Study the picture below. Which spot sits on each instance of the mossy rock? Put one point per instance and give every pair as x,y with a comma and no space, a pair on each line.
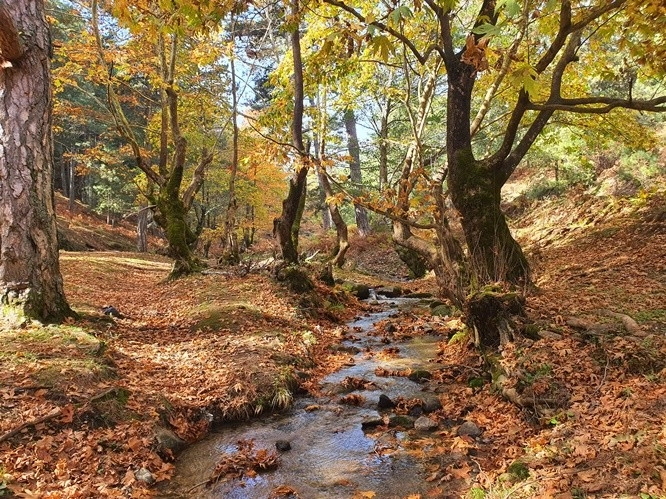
402,421
360,291
295,279
416,263
442,310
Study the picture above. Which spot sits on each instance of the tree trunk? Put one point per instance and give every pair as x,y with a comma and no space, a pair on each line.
286,227
142,230
475,188
340,226
495,256
71,191
326,220
231,254
171,215
362,222
30,281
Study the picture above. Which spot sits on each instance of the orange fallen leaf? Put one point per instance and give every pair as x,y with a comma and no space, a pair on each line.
67,414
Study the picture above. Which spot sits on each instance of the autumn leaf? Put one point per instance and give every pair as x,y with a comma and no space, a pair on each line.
67,414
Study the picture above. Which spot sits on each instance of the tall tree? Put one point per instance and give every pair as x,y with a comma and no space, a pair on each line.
230,238
356,176
30,280
536,46
166,179
286,226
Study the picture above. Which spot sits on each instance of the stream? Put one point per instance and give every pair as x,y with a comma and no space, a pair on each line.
331,455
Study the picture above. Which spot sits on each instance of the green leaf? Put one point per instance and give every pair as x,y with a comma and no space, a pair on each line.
512,7
489,29
383,46
402,12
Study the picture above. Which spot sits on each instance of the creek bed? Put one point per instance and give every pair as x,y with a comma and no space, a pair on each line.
330,456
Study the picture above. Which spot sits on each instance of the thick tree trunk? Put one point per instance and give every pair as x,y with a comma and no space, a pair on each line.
30,281
354,148
171,215
475,191
495,256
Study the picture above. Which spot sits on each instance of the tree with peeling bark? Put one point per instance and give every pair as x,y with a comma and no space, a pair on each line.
508,66
30,281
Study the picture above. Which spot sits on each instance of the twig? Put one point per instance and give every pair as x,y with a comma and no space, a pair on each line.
196,486
55,413
603,378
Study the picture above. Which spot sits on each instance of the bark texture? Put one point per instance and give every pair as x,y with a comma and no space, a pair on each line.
360,213
30,280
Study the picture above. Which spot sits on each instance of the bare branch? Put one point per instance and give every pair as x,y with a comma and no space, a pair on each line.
601,105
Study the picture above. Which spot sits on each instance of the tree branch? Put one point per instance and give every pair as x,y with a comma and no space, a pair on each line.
197,179
114,104
342,5
587,105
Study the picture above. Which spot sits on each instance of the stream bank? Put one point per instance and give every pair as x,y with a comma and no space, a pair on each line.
335,448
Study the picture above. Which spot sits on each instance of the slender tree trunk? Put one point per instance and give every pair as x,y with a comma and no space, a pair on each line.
71,191
30,281
326,220
286,227
361,214
340,225
230,238
142,230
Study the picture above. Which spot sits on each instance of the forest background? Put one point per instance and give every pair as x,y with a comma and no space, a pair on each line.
432,124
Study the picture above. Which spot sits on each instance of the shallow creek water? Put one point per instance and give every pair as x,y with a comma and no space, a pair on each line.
330,456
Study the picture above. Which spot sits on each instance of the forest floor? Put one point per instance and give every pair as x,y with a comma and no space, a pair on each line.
86,407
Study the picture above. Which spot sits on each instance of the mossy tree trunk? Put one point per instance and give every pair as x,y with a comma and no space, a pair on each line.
166,181
494,254
31,284
475,188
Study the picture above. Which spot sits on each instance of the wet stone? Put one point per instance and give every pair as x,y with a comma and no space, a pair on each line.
416,411
470,429
371,424
431,404
424,423
283,445
168,441
419,375
351,349
385,402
